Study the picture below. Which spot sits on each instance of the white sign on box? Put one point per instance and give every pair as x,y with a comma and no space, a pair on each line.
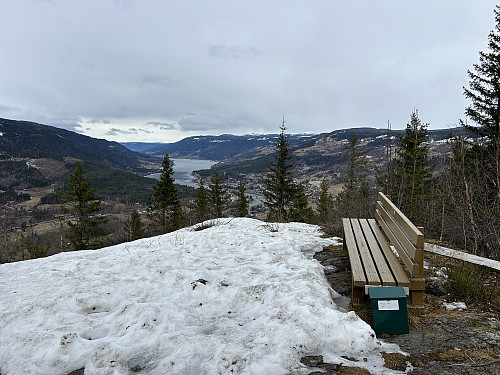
388,305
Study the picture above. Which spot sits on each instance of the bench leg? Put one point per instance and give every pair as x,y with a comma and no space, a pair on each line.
357,295
417,287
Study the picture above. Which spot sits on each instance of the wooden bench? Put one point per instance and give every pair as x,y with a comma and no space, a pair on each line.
373,262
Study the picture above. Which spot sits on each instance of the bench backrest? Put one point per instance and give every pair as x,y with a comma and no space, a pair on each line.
406,238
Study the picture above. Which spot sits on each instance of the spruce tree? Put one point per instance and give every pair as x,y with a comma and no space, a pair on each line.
354,200
484,87
412,171
165,210
241,200
279,186
325,202
217,193
484,110
134,228
201,202
78,200
300,210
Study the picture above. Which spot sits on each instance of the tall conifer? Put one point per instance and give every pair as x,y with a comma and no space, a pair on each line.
279,186
165,210
201,202
412,171
217,193
241,200
86,227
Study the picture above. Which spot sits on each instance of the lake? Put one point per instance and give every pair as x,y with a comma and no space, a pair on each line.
184,168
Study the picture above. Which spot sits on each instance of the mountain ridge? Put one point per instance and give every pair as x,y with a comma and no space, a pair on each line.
32,140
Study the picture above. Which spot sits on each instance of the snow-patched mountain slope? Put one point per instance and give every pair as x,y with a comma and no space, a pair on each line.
239,297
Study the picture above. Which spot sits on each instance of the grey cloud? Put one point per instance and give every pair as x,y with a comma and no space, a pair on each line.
319,66
237,123
116,131
233,52
192,124
160,80
95,121
162,125
8,108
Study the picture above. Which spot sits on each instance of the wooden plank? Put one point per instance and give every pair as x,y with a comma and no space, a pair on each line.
358,276
405,257
366,258
378,256
404,241
392,260
471,258
415,236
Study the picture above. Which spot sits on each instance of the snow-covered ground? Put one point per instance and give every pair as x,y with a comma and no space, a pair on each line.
238,297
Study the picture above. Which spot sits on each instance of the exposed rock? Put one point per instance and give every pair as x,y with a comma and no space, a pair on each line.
437,286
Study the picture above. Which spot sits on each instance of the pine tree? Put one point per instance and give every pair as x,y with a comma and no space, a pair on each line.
86,227
134,228
412,170
279,186
241,200
217,194
165,210
201,202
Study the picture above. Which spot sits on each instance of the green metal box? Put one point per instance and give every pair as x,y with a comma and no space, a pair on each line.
389,310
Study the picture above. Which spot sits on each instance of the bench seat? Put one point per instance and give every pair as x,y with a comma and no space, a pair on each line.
369,244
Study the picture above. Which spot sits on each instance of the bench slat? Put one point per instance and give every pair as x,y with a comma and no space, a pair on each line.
415,236
378,256
358,276
405,242
371,273
392,231
399,273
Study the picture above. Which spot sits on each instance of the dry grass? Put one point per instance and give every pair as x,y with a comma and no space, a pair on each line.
473,355
395,361
345,370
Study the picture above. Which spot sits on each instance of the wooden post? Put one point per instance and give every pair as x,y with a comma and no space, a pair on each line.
357,295
417,284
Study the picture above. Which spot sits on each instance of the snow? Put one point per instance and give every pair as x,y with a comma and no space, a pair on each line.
460,306
237,297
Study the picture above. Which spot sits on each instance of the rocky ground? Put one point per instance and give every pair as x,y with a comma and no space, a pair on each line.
440,342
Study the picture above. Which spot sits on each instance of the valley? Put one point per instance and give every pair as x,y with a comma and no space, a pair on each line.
32,177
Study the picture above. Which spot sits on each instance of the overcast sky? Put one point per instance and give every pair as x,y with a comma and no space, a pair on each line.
161,70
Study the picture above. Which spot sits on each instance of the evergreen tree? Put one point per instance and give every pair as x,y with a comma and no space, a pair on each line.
217,194
279,186
484,87
300,210
484,110
33,246
134,228
412,171
201,202
241,201
354,200
164,207
325,203
86,227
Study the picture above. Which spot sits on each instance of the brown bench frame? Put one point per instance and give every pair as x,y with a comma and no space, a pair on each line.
368,243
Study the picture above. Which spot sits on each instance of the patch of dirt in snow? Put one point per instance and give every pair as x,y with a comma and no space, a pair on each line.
440,342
